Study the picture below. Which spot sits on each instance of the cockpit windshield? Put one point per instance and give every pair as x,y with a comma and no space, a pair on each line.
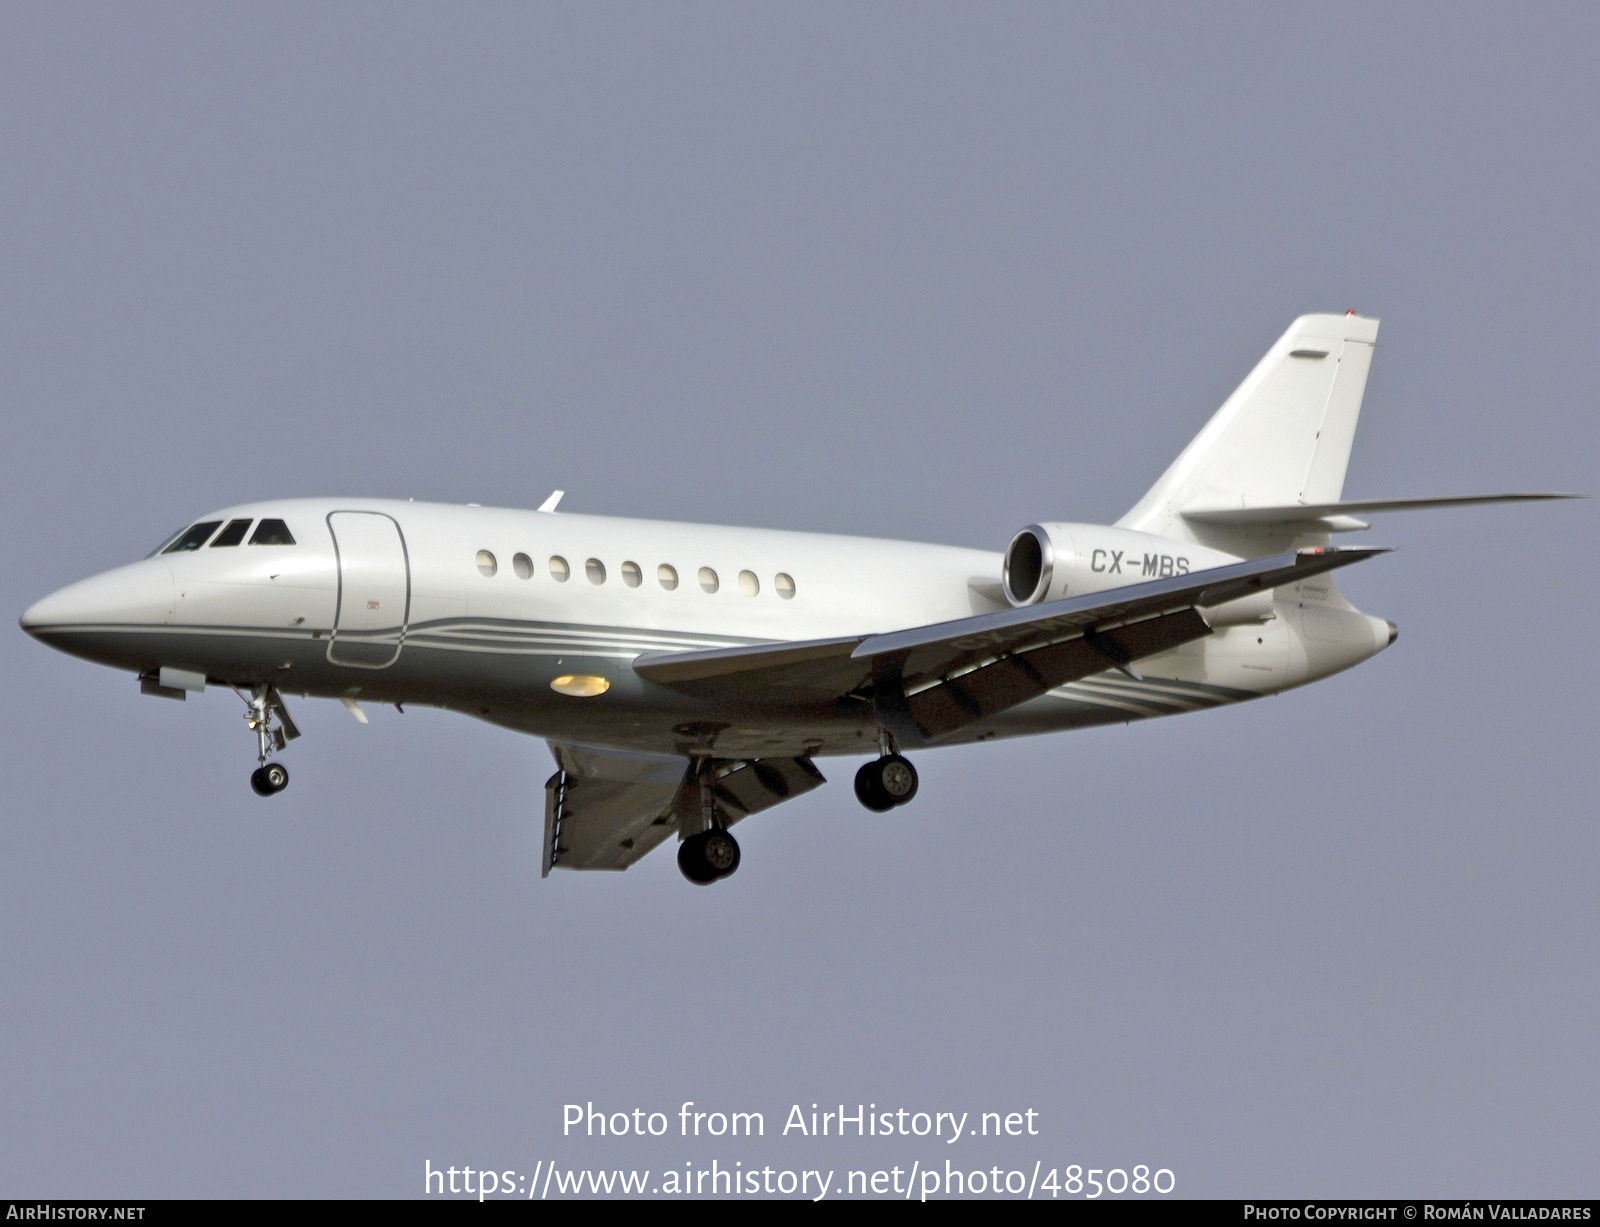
272,532
194,538
233,534
268,532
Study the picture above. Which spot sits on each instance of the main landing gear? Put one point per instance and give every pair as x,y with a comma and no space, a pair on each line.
712,853
889,780
261,707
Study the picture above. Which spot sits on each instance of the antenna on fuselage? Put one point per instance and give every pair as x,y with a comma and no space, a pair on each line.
550,503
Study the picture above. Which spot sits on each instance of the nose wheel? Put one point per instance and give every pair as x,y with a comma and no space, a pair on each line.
274,777
886,782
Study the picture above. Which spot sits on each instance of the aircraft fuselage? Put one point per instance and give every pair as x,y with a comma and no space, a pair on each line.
482,611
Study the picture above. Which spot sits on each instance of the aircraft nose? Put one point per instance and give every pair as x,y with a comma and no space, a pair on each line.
140,594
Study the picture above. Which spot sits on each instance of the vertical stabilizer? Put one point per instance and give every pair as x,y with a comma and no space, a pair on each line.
1282,438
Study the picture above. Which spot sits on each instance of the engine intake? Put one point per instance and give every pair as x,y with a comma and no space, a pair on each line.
1029,565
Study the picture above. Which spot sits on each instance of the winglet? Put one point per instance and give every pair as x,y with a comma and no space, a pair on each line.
550,503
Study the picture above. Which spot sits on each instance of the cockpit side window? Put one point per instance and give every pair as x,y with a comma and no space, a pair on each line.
162,548
272,532
233,534
194,538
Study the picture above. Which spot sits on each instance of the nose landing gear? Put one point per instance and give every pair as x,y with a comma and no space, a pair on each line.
264,704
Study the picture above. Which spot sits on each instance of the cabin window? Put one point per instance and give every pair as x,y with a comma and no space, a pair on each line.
749,584
631,575
194,538
233,534
522,565
595,570
272,532
559,571
668,576
708,579
487,566
783,585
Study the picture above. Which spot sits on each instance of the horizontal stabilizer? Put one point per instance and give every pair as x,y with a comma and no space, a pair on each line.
1314,513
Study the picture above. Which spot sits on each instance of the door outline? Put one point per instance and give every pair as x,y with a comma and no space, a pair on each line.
338,605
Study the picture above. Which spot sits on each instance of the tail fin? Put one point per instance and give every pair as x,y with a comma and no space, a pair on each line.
1282,438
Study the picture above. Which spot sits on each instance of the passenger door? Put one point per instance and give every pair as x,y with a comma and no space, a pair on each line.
374,589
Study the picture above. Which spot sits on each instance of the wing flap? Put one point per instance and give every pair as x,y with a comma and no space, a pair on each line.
952,704
929,683
605,809
757,784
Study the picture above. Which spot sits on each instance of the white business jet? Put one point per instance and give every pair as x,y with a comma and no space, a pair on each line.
687,676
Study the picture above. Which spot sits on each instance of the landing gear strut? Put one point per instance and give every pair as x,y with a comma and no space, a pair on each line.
712,853
889,780
263,704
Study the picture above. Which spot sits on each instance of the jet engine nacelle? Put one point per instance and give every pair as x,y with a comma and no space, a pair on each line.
1046,562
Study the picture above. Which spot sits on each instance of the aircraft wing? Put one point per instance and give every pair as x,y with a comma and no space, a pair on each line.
604,809
928,681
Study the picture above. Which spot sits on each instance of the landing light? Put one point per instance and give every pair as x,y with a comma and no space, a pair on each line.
580,685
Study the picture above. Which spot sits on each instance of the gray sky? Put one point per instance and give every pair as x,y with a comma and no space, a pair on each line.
932,272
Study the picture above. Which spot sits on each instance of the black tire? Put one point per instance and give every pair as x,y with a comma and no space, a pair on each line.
276,776
692,861
869,789
897,777
720,851
258,781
